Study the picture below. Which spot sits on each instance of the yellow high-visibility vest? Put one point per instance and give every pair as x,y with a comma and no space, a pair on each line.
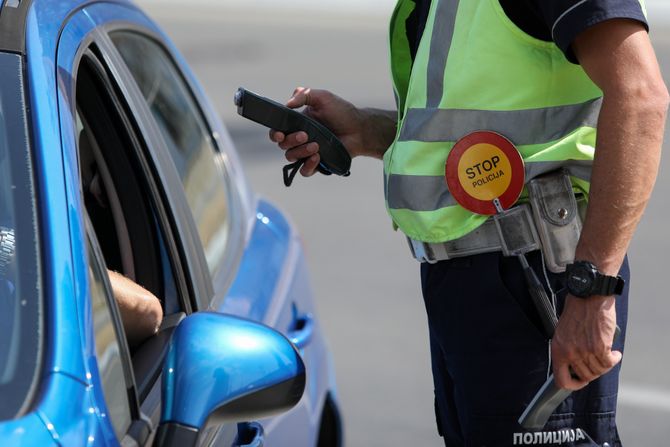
476,70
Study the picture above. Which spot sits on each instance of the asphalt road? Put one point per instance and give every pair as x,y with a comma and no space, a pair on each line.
367,286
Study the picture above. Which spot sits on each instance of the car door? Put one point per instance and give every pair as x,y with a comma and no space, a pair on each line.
254,255
268,283
129,201
183,139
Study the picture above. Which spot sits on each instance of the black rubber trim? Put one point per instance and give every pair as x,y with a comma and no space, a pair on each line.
174,434
330,428
149,356
13,27
140,430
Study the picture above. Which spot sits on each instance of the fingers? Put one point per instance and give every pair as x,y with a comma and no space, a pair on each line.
297,148
302,151
276,136
593,366
565,379
302,96
583,372
309,168
613,358
293,140
579,372
582,342
296,144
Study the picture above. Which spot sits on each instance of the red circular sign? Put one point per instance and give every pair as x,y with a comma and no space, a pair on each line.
484,166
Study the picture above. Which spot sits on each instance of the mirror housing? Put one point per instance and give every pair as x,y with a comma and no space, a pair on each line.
221,368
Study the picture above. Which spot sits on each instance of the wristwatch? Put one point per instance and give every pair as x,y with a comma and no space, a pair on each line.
584,280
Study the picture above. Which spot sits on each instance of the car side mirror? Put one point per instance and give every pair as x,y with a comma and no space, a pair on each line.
221,368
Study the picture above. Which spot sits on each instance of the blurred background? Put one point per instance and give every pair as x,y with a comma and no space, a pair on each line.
366,284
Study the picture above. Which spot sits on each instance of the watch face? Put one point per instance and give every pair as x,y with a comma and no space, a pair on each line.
580,280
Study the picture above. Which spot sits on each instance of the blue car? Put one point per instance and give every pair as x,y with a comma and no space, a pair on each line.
111,159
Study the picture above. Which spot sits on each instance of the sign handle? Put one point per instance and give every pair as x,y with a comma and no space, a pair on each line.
540,298
543,304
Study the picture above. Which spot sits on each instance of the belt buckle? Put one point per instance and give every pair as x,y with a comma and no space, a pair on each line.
422,251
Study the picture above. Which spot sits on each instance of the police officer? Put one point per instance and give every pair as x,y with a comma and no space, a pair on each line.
573,84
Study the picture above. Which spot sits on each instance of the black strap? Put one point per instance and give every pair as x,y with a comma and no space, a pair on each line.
290,171
613,285
620,284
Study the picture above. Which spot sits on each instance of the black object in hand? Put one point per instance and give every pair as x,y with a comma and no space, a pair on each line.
334,156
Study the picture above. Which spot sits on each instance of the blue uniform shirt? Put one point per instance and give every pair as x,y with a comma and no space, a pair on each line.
550,20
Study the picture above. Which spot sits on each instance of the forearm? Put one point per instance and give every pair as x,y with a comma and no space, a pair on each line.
630,133
378,131
617,55
628,148
140,310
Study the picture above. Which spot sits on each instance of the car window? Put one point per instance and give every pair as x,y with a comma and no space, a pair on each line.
21,327
113,185
107,349
187,137
130,219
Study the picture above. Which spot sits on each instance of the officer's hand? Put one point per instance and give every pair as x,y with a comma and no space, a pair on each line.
340,116
583,340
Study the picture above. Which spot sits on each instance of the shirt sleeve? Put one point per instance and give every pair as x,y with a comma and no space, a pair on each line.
568,18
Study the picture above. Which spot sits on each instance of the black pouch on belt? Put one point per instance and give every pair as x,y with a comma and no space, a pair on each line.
557,218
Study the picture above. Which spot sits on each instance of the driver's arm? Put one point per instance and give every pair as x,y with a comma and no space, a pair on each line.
140,310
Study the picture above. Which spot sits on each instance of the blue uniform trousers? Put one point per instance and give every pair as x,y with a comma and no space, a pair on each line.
489,357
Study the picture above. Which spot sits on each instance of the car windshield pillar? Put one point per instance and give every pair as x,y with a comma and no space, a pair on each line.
20,288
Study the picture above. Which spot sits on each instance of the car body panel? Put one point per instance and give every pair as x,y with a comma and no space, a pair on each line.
28,430
42,31
252,293
71,37
284,302
78,422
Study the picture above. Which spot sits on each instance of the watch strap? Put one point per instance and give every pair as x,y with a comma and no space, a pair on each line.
602,285
608,285
613,285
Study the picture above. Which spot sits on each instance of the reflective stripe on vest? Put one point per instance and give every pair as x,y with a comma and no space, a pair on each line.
430,193
439,49
474,70
547,124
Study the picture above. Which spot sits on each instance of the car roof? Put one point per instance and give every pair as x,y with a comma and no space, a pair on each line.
13,15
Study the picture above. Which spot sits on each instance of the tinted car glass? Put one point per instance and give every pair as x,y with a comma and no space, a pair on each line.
107,351
20,288
187,137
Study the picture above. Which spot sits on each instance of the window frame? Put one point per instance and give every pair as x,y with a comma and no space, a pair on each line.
168,204
140,218
167,180
238,234
144,402
95,259
177,212
189,283
207,151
